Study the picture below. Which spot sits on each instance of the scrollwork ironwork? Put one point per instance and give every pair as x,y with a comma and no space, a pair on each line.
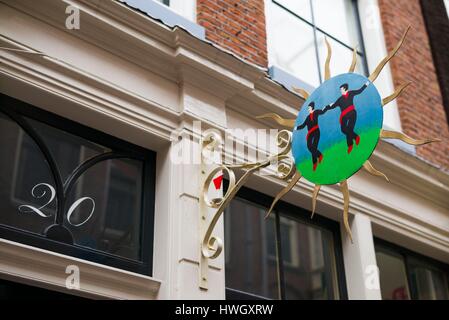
211,245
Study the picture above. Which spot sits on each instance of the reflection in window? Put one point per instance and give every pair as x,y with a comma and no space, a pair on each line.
296,31
22,168
428,282
166,2
292,45
98,203
115,226
250,242
303,268
309,264
407,275
393,277
337,18
69,151
289,239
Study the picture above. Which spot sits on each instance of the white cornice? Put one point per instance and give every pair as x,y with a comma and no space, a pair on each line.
153,46
49,270
412,174
86,89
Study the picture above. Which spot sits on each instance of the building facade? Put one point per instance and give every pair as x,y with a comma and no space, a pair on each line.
104,105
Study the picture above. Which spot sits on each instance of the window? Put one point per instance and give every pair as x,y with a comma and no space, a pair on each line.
406,275
287,256
185,8
393,278
436,14
166,2
70,189
172,13
296,32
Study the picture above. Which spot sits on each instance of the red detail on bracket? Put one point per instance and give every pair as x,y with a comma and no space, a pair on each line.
217,182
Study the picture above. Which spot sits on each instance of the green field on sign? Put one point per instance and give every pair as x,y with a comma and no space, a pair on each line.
337,164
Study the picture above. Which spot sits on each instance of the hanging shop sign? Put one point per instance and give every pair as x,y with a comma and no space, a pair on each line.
334,135
337,129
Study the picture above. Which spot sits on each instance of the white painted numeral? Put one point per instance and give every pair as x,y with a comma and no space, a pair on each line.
75,205
27,208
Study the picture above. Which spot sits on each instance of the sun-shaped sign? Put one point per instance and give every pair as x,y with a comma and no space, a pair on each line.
334,135
338,128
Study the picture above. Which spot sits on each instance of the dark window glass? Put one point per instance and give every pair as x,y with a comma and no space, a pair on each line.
436,14
408,275
308,260
24,177
166,2
393,275
114,226
250,250
429,282
282,257
102,207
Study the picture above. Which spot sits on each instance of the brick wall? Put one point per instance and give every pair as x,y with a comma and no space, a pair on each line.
236,25
421,105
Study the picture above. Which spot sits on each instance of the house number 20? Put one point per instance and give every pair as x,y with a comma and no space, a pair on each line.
38,210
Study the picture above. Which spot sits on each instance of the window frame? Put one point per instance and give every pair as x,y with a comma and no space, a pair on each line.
295,258
165,2
184,8
407,255
303,216
178,14
148,157
360,51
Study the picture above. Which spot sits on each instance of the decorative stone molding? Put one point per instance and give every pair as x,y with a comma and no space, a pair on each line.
49,271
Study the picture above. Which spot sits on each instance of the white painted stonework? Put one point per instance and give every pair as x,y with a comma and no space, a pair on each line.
133,78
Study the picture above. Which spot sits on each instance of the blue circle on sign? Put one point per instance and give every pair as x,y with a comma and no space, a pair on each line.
337,129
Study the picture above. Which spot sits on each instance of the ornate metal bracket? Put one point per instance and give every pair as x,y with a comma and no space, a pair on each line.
211,246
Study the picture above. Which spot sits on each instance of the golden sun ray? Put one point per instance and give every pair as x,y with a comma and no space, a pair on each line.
354,61
386,134
345,191
316,190
289,123
327,68
302,92
393,96
284,191
369,167
384,61
211,246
